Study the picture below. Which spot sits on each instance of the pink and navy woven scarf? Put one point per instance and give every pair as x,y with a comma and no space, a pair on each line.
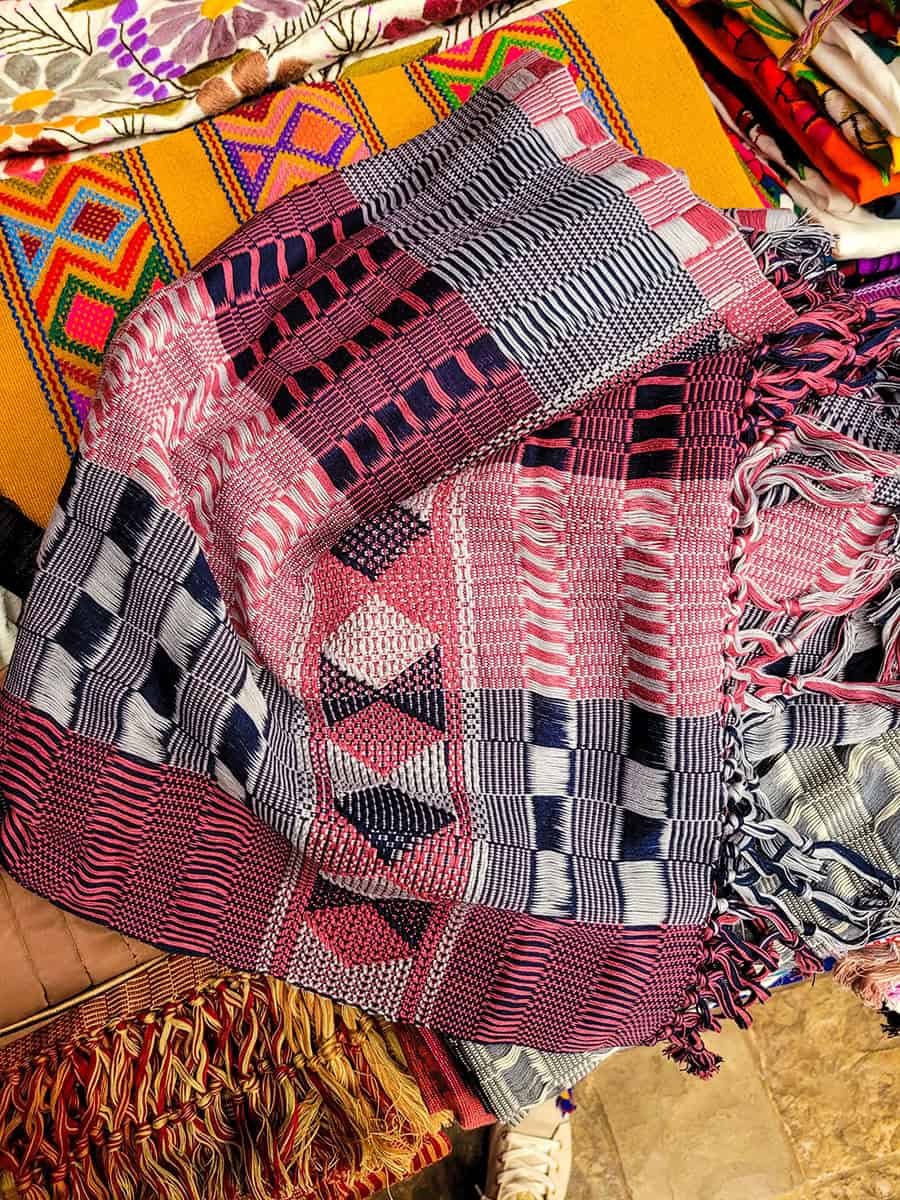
438,562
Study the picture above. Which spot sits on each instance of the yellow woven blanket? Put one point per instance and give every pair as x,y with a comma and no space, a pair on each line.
81,243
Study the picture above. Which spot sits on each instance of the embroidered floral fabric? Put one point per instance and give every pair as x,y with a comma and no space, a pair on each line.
92,73
780,147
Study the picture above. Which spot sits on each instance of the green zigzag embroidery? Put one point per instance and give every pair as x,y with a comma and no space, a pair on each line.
445,79
155,268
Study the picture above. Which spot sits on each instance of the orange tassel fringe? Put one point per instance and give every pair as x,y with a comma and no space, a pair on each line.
243,1087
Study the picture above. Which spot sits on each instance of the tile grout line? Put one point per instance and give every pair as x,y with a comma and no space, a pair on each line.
629,1194
838,1176
757,1052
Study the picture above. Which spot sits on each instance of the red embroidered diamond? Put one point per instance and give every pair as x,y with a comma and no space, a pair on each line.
96,221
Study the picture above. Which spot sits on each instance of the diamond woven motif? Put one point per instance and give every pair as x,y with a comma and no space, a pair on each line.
89,321
383,737
287,138
86,314
381,687
96,221
377,642
390,820
78,238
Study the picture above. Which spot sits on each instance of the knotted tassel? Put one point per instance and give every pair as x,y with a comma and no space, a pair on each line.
835,349
729,980
242,1088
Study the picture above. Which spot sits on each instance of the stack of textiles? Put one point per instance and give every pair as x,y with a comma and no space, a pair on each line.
327,691
449,567
815,118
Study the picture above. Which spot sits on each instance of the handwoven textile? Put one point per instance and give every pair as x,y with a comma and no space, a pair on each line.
242,162
305,620
19,540
48,956
847,795
187,1080
394,812
74,77
262,594
82,243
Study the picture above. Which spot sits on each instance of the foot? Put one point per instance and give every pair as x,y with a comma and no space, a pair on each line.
531,1160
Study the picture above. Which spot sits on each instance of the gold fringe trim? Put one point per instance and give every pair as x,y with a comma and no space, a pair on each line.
244,1087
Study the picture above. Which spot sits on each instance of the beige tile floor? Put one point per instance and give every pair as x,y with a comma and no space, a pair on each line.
806,1107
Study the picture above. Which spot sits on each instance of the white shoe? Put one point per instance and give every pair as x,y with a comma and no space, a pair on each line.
531,1160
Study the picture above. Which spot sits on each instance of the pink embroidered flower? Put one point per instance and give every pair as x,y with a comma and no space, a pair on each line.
433,12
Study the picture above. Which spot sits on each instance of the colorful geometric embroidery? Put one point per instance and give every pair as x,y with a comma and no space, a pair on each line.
285,139
85,256
460,71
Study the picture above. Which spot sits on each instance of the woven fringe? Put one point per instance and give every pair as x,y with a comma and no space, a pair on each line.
836,350
245,1087
794,253
813,33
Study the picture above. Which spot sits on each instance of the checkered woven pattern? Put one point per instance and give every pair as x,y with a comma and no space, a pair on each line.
378,636
848,797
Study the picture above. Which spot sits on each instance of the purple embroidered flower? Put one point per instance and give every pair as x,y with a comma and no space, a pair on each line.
196,32
124,40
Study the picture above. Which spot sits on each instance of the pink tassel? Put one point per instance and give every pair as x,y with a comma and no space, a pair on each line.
813,33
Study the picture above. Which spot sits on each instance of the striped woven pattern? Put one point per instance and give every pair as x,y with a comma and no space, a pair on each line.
381,633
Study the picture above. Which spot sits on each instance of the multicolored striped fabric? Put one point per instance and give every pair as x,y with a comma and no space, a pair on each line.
388,636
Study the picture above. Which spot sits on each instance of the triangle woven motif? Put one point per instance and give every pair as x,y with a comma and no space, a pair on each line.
419,692
360,930
391,821
342,694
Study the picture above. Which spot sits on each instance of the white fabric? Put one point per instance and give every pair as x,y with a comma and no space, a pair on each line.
845,57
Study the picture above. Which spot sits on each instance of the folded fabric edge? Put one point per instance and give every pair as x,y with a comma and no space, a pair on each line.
252,1085
833,350
28,1024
